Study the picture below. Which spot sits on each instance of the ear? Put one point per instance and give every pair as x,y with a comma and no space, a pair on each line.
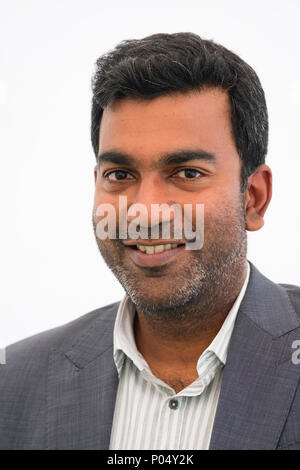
257,197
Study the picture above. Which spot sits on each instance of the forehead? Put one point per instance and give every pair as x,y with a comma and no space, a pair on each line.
145,129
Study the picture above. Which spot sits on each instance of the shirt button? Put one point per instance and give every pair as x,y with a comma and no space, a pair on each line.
173,404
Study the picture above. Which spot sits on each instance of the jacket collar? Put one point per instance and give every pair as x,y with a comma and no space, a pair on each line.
81,387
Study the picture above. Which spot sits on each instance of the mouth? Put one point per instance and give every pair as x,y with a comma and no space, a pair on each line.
153,255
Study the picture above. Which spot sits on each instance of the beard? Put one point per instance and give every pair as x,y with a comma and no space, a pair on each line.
197,284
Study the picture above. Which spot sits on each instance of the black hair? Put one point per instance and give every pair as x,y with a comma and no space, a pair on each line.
162,64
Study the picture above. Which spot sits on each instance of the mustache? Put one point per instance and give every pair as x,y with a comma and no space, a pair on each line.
161,231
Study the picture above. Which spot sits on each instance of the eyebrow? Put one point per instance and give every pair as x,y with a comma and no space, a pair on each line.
181,156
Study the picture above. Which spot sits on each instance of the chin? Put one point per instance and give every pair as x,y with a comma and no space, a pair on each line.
153,304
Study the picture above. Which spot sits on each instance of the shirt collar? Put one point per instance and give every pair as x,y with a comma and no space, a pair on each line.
220,343
124,341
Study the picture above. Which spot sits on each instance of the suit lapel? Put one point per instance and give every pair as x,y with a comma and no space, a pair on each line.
81,388
259,378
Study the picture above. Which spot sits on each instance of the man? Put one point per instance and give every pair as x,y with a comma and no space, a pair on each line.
200,353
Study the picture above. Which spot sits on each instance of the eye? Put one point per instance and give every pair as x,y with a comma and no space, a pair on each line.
117,175
189,173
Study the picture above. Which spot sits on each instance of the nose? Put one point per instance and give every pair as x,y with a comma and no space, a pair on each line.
152,193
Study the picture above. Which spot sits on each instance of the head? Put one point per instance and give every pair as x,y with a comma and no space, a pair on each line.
178,119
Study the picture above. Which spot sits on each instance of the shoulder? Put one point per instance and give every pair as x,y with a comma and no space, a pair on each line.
24,376
293,293
31,353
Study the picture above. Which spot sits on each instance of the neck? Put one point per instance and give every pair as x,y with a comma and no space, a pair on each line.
179,344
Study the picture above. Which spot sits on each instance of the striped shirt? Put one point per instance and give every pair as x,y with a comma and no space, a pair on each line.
149,414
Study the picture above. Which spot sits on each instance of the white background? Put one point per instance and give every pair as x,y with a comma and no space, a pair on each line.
51,270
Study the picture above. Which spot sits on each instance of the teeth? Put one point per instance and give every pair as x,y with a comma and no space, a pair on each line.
141,247
150,250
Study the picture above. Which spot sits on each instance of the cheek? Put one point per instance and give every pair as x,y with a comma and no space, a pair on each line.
223,207
106,209
102,197
222,195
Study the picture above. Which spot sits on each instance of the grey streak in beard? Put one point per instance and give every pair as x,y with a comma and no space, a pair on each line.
212,275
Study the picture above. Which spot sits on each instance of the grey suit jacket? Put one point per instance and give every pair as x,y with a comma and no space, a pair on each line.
58,388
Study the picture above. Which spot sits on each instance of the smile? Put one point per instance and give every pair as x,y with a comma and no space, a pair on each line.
154,255
150,250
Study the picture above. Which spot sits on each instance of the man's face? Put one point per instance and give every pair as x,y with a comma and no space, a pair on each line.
146,131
